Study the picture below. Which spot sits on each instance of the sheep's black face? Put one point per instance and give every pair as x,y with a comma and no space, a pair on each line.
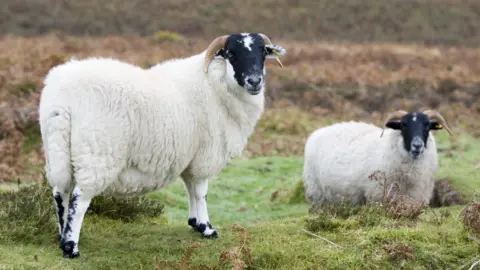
245,55
415,127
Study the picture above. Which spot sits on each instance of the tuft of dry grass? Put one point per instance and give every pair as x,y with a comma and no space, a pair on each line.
471,217
396,204
399,252
444,194
183,264
238,257
404,207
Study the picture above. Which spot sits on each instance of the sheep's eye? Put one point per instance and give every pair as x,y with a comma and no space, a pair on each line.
230,55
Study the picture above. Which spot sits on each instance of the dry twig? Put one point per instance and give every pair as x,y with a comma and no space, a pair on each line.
324,239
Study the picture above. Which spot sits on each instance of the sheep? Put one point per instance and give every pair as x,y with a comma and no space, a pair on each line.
109,127
338,159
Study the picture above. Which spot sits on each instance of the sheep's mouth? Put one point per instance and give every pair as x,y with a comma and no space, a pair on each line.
415,153
254,91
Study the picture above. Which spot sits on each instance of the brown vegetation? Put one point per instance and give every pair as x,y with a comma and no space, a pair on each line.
471,217
319,81
424,21
445,195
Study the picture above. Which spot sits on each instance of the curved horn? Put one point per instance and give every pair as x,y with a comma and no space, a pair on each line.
393,116
216,45
269,42
434,115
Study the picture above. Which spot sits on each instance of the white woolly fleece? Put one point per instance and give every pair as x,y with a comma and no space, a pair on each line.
340,157
135,130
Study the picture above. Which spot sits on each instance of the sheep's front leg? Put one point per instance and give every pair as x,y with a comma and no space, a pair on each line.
203,222
192,215
76,211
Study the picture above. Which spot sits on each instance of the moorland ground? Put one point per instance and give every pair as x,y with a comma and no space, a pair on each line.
403,55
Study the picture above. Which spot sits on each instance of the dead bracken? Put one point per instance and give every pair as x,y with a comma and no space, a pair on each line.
471,217
399,252
445,195
297,101
404,207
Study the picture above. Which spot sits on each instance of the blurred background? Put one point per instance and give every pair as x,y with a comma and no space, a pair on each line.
347,60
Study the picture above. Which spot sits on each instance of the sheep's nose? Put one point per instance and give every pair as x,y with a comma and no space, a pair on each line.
417,145
254,81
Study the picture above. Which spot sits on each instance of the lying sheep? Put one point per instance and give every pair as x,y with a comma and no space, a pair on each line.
339,159
119,129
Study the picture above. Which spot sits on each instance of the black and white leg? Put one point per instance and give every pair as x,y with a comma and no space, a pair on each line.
76,211
61,205
192,207
198,214
203,222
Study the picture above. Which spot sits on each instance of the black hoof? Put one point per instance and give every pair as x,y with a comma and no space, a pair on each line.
213,235
193,223
71,255
67,248
207,228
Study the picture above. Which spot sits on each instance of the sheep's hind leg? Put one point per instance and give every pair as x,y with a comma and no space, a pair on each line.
78,206
61,205
203,222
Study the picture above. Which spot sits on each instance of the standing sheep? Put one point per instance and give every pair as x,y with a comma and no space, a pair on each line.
116,128
338,159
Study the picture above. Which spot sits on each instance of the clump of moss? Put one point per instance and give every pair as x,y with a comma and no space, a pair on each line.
298,193
330,217
27,214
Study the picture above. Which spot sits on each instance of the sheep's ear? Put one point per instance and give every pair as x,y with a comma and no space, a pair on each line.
221,53
435,125
274,51
394,125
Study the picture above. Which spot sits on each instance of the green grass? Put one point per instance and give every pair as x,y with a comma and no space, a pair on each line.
263,195
460,162
242,192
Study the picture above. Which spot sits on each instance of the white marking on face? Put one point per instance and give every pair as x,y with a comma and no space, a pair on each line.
414,117
245,34
247,42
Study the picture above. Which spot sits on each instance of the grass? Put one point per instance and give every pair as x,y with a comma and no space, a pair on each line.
243,192
257,207
459,160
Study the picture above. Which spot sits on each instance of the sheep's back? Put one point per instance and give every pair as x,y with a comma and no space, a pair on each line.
124,114
339,158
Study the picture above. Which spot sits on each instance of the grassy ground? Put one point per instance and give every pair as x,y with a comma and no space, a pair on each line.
346,60
258,199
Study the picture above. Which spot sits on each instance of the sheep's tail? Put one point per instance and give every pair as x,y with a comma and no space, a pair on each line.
55,126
